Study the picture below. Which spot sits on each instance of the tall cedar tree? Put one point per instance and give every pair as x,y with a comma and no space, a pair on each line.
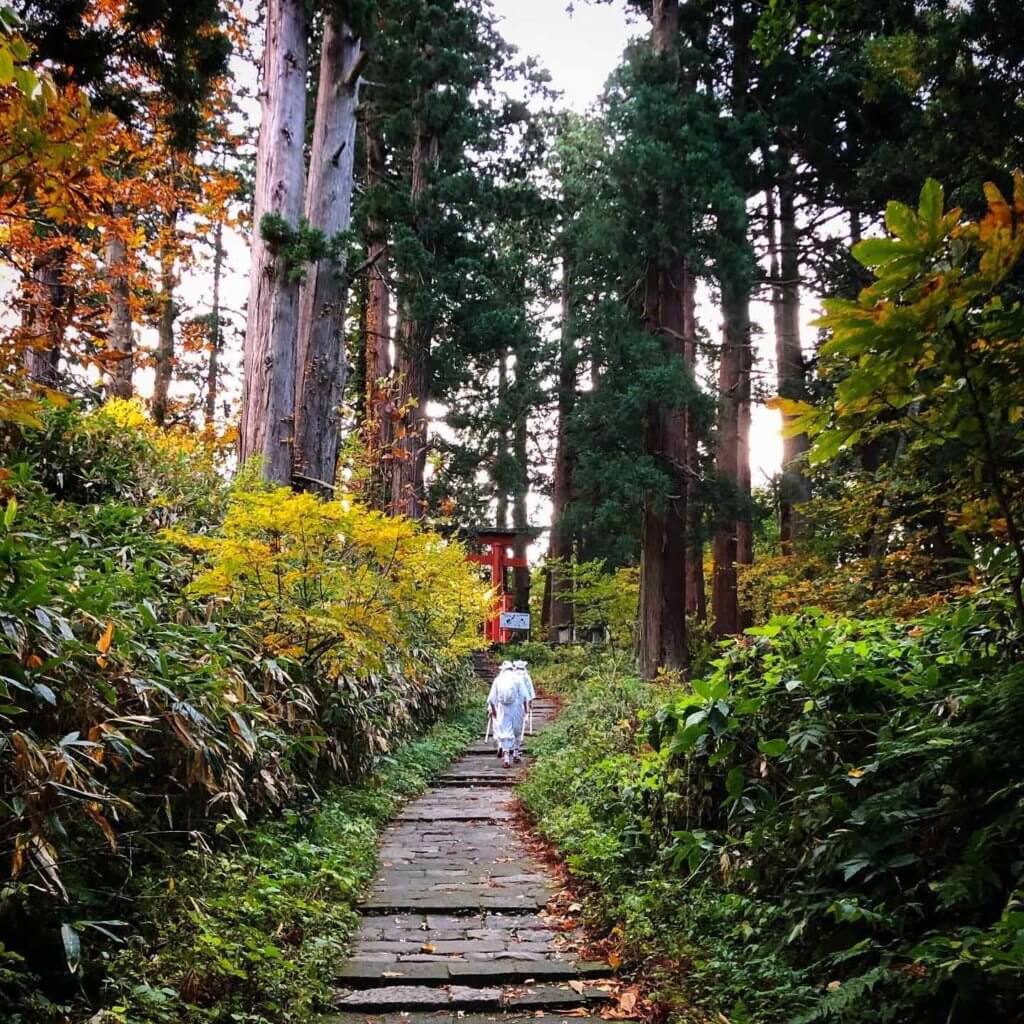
450,147
268,385
321,365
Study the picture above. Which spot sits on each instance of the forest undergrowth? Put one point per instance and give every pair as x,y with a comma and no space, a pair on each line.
825,826
212,696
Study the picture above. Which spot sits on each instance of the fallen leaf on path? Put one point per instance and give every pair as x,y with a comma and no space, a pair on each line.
577,987
614,960
627,1000
427,948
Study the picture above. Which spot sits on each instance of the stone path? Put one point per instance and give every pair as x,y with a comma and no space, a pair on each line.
453,927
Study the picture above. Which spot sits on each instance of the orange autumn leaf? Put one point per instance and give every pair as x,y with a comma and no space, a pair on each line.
104,642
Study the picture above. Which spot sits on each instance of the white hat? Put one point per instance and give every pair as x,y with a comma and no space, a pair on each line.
505,665
519,664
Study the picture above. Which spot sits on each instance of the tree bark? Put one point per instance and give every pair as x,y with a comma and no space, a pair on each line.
696,593
792,373
661,635
520,520
164,356
522,397
120,340
410,446
216,343
501,453
661,638
377,344
665,23
732,539
413,350
46,317
268,383
559,611
321,366
744,523
735,339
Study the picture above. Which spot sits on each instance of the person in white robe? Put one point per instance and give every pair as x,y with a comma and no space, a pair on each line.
528,689
506,704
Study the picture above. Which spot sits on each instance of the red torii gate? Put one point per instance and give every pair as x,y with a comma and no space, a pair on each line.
500,555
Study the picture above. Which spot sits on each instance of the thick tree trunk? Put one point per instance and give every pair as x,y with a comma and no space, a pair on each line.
321,365
268,382
735,338
661,635
744,524
665,22
377,344
559,611
792,373
216,342
661,639
120,341
696,595
498,473
410,447
520,520
164,355
733,540
413,350
46,318
520,456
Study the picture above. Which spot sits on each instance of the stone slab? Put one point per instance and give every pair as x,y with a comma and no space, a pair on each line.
448,1017
365,972
443,904
546,997
510,971
418,997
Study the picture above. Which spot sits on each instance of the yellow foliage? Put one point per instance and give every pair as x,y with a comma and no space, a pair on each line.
342,586
130,414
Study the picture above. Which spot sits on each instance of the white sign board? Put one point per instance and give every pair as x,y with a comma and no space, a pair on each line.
514,620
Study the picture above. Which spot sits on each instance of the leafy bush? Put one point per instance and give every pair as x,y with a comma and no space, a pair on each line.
150,702
827,827
604,600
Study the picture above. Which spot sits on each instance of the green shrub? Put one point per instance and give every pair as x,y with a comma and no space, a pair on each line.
140,717
827,827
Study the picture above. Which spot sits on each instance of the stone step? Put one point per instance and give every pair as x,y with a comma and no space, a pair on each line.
366,973
408,999
467,814
450,1017
456,905
487,748
482,781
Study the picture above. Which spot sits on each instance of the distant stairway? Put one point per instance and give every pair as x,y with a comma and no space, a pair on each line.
484,665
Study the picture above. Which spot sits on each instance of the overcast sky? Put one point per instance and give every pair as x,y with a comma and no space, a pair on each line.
579,49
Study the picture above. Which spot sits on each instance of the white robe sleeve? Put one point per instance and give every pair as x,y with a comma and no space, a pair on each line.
531,693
